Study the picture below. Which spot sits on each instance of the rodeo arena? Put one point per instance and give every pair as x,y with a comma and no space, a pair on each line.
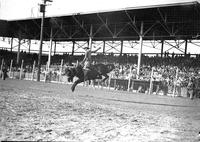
129,94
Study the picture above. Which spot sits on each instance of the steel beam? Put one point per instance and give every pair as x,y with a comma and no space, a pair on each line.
133,25
81,25
105,24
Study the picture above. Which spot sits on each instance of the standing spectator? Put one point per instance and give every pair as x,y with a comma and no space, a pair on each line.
162,86
4,72
190,88
178,86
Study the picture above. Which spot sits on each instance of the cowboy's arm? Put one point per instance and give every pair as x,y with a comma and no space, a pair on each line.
84,58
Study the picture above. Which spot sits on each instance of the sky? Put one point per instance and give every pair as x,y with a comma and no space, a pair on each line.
22,9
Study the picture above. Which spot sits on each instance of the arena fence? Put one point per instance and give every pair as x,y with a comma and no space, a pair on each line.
54,74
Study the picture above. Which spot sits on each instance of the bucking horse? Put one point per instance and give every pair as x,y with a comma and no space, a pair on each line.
96,71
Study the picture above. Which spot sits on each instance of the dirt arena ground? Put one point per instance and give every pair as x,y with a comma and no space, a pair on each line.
37,111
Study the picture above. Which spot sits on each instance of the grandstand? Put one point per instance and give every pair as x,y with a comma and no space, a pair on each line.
160,25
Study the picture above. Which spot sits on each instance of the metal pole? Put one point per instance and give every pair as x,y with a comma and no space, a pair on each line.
61,65
162,46
46,72
151,82
2,67
54,48
186,47
11,62
20,75
104,46
140,51
174,89
90,38
129,79
33,70
41,42
11,44
73,46
50,50
29,46
121,48
18,52
109,80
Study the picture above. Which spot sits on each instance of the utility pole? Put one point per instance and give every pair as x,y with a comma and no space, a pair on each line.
42,10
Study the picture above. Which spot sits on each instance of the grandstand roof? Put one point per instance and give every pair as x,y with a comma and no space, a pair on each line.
165,21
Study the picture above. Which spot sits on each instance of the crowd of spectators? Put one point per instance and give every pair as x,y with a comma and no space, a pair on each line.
175,70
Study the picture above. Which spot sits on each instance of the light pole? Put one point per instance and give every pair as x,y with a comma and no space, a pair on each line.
42,10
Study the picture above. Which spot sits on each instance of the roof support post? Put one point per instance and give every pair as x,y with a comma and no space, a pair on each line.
11,44
162,46
121,48
104,46
140,50
18,52
90,38
73,46
54,47
50,49
29,46
186,44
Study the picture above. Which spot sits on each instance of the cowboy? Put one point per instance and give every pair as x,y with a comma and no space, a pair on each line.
87,59
87,62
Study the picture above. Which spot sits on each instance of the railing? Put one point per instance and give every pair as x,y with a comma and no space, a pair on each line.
141,86
131,85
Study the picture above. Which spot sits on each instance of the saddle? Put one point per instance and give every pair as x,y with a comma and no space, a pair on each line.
92,69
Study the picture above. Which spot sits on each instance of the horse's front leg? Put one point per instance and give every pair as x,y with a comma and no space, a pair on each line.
75,83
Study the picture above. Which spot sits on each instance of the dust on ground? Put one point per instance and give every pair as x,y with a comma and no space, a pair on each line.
35,111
